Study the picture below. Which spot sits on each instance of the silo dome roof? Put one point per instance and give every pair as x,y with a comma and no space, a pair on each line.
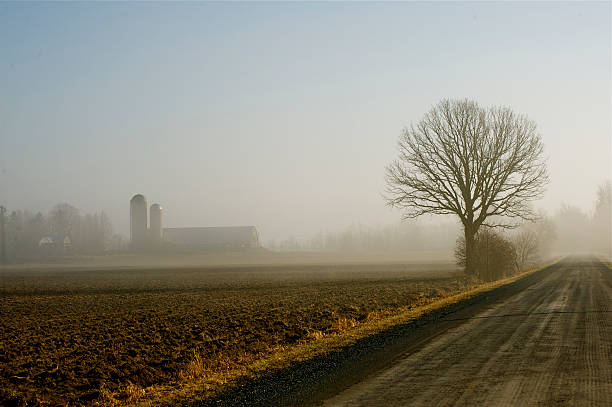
138,197
156,207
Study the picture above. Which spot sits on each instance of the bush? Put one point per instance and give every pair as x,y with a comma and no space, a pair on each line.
494,256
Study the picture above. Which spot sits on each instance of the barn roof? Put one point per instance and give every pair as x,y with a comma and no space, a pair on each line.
221,235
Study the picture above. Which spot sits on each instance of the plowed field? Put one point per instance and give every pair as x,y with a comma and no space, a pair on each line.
73,337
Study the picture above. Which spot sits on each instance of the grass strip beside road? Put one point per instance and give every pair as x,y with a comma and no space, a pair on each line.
201,383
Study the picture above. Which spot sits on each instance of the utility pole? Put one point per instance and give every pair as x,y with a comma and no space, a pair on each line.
2,235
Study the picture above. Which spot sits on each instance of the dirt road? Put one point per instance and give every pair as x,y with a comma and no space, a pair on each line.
547,344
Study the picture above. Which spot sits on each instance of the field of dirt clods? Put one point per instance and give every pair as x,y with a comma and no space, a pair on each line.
76,337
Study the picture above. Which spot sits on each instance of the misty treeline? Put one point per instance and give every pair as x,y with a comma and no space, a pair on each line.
62,231
408,236
580,231
498,252
533,240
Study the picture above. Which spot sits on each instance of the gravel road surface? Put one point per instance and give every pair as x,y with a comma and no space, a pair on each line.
547,344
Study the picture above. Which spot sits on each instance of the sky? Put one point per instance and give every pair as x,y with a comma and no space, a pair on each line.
281,115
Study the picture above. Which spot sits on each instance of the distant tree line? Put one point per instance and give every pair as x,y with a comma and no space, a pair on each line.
497,253
582,231
63,231
408,236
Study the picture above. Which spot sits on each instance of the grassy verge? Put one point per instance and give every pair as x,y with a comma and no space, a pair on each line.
201,380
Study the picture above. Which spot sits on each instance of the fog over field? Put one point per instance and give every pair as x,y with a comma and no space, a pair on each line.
282,116
305,203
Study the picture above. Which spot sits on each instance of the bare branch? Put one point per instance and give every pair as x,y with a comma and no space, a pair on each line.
469,161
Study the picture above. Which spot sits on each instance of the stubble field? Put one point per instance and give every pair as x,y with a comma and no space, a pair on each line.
101,336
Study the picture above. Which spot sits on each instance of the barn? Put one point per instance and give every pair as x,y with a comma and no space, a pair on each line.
213,237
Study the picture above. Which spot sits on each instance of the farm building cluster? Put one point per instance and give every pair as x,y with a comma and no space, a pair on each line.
153,234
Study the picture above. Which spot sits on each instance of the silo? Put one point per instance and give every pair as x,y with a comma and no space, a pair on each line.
156,222
138,221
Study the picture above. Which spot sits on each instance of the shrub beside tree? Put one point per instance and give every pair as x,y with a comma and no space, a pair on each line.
493,255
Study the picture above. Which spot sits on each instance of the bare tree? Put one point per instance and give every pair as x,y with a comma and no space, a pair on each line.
574,229
64,219
533,242
526,249
479,164
603,204
602,219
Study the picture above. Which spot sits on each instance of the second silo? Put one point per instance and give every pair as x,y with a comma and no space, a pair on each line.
138,220
156,222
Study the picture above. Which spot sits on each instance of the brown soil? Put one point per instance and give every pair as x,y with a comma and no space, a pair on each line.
73,337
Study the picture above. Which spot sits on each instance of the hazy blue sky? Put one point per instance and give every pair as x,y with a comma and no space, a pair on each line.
281,116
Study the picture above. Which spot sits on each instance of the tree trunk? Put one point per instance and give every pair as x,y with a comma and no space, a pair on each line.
470,266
